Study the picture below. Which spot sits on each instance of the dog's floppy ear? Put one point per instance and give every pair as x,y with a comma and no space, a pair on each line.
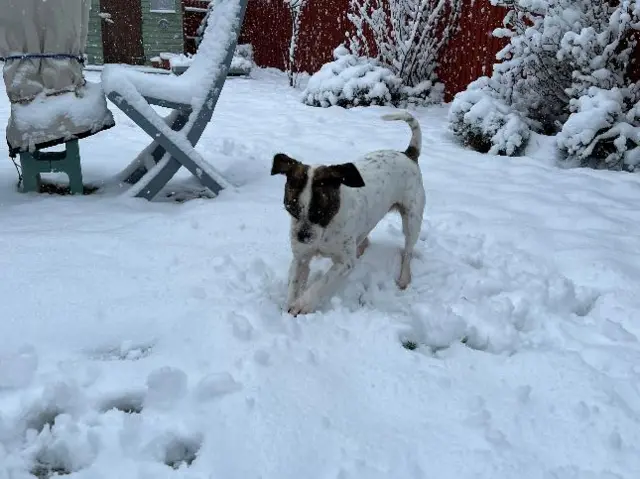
349,175
282,164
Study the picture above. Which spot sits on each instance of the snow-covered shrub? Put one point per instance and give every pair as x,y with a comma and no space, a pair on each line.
352,81
600,52
424,93
242,62
557,51
407,37
534,74
484,122
604,130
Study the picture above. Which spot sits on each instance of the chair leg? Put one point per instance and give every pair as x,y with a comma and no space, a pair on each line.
30,173
160,180
73,169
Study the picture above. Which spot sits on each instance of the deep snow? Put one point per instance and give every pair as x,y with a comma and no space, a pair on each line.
149,334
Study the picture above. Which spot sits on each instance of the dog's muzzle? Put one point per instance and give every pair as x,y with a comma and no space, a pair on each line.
304,234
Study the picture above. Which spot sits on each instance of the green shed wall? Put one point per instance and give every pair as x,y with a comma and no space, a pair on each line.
94,40
155,38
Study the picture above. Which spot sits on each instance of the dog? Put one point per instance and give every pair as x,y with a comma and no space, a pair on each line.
333,209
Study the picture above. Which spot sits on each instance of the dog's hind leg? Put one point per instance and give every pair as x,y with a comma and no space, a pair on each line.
411,224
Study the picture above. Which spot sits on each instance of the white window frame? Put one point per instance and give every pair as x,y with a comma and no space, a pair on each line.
162,10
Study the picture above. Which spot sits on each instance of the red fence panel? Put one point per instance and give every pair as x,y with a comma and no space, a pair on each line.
471,52
267,25
193,12
324,26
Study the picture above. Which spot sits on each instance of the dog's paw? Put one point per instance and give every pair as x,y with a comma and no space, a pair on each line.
403,282
296,310
300,307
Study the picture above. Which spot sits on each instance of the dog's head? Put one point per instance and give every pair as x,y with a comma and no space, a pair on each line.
312,194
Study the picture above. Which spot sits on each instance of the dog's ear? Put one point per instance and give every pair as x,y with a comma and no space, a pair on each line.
283,164
349,175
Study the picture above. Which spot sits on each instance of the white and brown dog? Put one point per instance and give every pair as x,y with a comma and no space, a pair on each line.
334,208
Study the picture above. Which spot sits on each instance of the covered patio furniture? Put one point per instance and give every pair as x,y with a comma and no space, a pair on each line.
42,45
192,96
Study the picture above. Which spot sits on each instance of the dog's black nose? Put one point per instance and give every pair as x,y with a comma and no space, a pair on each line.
304,235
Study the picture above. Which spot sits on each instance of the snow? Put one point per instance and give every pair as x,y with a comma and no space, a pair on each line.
48,118
241,63
148,339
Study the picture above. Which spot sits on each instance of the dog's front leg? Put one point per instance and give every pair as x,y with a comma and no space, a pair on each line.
324,287
298,277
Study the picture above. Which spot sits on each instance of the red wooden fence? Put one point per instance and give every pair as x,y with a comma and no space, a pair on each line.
193,12
469,54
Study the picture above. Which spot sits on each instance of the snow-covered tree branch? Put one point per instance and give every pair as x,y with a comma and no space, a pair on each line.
296,9
406,36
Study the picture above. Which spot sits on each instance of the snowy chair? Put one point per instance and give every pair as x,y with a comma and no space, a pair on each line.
192,96
42,45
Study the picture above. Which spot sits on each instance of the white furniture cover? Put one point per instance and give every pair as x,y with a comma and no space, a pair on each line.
50,100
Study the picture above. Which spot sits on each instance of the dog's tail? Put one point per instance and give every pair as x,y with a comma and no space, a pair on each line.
413,150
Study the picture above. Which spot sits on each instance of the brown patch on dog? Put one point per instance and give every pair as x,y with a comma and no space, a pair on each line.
297,176
325,196
325,190
283,164
413,153
399,208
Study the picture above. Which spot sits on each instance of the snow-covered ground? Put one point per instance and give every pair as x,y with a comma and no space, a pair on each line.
135,335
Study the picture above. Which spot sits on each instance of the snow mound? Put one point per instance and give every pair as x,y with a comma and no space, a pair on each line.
241,64
352,80
17,368
486,123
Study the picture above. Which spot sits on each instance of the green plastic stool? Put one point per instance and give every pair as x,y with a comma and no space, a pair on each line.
67,162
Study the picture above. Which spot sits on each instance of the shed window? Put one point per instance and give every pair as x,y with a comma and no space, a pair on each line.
163,6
